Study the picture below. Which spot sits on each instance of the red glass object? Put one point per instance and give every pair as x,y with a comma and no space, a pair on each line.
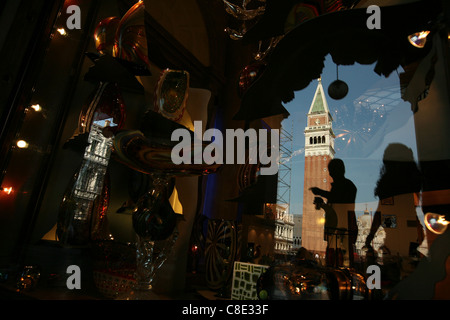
105,34
248,75
82,215
105,104
131,41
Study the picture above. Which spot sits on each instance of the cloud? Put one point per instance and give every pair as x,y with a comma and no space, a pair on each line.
293,154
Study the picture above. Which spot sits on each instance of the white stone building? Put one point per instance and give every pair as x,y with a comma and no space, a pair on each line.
284,227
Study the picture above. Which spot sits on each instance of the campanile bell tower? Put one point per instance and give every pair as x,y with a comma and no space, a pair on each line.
319,150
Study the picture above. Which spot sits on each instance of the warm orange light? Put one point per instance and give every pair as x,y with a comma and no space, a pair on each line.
22,144
418,39
7,190
436,223
36,107
62,31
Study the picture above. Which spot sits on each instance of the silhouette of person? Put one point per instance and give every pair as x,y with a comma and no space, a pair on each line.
340,207
399,179
342,189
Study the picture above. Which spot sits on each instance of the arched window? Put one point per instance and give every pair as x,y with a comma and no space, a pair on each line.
310,140
315,140
319,140
323,139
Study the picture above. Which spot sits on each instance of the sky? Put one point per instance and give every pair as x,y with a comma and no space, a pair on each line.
366,121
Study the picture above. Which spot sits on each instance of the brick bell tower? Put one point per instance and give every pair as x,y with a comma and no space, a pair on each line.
319,150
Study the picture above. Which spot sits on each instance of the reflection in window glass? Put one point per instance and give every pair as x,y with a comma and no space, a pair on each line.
370,118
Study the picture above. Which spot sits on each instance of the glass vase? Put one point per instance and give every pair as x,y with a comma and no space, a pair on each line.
150,257
154,222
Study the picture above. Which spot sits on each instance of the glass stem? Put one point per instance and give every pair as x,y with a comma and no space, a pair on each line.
145,266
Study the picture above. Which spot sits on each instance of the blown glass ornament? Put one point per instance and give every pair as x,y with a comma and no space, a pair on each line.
154,217
130,41
105,34
248,75
172,93
83,208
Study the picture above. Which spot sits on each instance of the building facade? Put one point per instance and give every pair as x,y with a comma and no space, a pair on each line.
284,229
283,226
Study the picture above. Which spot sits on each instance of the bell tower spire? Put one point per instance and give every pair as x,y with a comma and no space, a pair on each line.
319,150
319,136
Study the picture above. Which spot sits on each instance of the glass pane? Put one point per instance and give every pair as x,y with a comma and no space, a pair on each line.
44,112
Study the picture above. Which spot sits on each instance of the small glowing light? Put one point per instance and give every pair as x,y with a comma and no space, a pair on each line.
62,31
22,144
36,107
418,39
7,190
436,223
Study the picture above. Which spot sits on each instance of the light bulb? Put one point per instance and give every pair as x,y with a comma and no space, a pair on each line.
36,107
22,144
62,31
7,190
418,39
436,223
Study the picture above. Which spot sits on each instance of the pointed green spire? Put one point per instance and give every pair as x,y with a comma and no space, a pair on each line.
319,104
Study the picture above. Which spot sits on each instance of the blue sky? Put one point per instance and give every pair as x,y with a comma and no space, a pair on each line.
371,116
